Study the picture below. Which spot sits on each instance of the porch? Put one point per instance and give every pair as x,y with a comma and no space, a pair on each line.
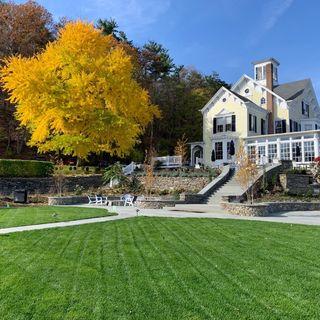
300,147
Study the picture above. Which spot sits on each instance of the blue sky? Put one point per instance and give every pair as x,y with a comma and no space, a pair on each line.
217,35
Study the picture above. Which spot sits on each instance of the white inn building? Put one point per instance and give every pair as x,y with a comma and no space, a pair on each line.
275,121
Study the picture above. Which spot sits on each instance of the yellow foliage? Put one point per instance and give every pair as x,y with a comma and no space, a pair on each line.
247,171
78,95
181,148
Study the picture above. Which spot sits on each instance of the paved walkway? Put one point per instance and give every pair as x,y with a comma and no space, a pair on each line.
293,217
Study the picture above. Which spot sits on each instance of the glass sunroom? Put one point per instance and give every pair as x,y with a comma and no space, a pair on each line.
300,147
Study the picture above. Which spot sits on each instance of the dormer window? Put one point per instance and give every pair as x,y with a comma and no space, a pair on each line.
263,101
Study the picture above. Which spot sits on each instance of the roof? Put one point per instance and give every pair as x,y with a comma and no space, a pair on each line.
291,90
266,60
244,99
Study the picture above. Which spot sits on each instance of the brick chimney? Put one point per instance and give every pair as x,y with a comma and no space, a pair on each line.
269,85
266,73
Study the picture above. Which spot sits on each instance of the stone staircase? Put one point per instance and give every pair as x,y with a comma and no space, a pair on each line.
230,187
212,202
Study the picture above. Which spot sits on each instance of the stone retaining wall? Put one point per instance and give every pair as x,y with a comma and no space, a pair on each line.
296,184
264,209
190,184
47,185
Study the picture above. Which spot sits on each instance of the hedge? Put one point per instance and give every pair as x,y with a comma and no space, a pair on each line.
25,168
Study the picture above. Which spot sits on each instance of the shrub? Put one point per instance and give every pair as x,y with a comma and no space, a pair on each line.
25,168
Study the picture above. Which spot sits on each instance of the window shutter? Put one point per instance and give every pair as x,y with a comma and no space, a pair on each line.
284,126
250,122
214,125
255,124
291,126
302,108
233,123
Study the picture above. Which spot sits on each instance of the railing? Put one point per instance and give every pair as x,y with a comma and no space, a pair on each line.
169,161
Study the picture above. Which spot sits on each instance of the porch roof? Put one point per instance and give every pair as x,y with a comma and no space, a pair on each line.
281,135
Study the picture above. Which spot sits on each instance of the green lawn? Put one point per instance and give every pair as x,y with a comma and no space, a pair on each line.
23,216
153,268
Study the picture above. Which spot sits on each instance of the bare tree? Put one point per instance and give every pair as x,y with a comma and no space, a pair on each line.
247,171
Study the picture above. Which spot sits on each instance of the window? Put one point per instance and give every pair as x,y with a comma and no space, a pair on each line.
285,151
263,101
272,151
296,151
305,108
260,73
263,126
220,124
246,91
308,151
275,73
252,123
280,126
224,100
218,150
252,152
261,152
228,123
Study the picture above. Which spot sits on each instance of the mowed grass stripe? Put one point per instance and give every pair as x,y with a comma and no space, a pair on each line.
171,264
153,268
171,292
213,272
200,277
274,276
22,216
249,277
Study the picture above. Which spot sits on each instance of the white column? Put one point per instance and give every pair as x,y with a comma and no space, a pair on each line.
316,145
257,152
267,150
291,152
278,149
302,150
192,155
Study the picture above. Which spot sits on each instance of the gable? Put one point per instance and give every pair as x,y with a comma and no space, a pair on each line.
223,93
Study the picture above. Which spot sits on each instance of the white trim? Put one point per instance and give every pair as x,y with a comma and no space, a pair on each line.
216,96
258,84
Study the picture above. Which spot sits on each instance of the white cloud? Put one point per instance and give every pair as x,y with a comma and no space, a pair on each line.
130,14
276,10
272,11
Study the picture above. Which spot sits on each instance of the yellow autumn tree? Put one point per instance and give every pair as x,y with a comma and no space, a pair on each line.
79,95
